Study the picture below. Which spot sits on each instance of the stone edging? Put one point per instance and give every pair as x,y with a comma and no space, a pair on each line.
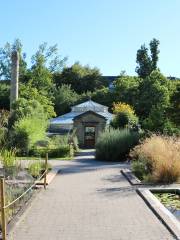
163,214
130,177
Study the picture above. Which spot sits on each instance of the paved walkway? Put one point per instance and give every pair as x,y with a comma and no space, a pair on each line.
89,200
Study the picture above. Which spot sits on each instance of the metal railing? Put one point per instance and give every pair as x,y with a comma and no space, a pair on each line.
4,207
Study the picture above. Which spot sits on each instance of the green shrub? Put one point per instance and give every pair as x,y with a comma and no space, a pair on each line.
124,119
35,169
114,145
56,147
60,152
8,158
139,169
59,140
27,131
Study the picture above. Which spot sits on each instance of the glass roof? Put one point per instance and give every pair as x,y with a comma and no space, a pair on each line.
81,108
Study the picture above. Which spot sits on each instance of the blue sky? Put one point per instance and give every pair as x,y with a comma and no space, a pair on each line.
102,33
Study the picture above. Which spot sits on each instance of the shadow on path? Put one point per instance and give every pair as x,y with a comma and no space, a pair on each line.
85,161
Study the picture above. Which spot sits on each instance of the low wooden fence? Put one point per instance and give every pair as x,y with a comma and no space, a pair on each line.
4,207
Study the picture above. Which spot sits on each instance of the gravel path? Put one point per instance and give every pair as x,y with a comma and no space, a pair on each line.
89,200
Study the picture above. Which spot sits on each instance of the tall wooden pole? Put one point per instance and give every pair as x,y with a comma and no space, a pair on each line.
3,211
46,168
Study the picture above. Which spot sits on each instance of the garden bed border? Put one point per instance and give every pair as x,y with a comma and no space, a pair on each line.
161,212
132,179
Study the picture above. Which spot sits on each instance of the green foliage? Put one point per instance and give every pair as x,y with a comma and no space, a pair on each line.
5,60
154,91
146,63
81,78
60,152
57,147
30,93
65,97
174,109
48,57
35,169
27,131
124,119
4,95
103,96
139,169
8,158
4,115
124,116
26,108
114,145
127,89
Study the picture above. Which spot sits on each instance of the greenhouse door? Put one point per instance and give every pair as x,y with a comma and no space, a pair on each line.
89,136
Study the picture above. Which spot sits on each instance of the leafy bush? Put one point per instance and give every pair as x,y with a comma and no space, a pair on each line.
8,158
124,116
59,140
139,169
61,151
114,145
36,168
161,156
27,131
57,147
124,119
4,115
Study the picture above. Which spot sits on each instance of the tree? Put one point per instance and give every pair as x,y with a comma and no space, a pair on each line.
146,63
45,62
174,109
30,93
4,95
26,108
103,96
48,57
65,97
5,60
153,91
81,78
154,53
126,89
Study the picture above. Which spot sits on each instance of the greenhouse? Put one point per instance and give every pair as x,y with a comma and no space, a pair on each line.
89,119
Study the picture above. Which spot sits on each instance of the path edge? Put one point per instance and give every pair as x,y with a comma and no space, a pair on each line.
161,212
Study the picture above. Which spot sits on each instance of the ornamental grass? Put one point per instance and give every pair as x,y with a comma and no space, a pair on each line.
161,158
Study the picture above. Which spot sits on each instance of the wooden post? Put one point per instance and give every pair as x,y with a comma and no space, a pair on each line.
45,175
3,211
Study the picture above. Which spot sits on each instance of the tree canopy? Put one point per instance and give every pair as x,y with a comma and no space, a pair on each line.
147,63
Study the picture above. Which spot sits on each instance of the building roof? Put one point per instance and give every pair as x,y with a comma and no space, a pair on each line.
77,110
89,106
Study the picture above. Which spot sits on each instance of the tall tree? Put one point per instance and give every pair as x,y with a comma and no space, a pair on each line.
154,53
147,63
45,62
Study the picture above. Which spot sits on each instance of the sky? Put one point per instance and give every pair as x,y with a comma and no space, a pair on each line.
101,33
